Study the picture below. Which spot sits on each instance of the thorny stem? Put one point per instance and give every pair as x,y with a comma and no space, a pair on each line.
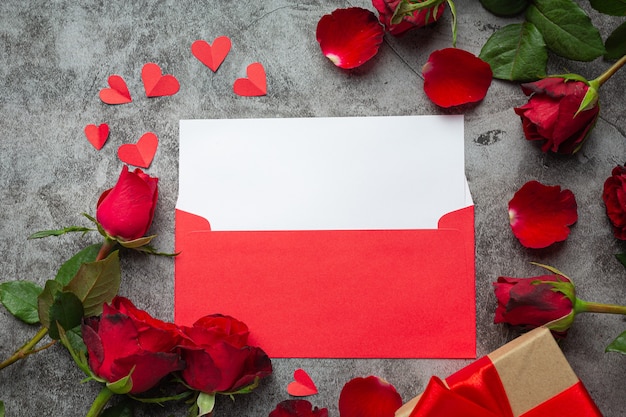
27,349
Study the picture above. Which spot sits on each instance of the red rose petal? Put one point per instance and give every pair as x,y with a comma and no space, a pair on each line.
349,37
540,215
453,77
369,397
298,408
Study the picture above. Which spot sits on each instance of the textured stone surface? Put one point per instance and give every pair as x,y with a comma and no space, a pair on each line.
56,55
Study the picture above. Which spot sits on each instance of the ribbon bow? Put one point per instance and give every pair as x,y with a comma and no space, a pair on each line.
477,391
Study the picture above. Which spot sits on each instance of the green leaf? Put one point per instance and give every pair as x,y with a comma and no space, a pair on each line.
205,402
616,43
505,7
566,29
1,409
618,345
66,311
611,7
59,232
96,283
516,52
46,299
622,258
78,355
20,298
70,268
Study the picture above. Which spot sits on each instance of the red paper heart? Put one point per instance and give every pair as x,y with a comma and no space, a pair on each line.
211,55
97,135
141,153
255,84
117,93
302,385
156,84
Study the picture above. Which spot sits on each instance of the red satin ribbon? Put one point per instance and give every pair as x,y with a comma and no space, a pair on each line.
477,391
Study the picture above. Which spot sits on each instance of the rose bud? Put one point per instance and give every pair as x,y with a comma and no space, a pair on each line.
125,211
614,196
298,408
127,341
537,301
218,358
555,113
415,19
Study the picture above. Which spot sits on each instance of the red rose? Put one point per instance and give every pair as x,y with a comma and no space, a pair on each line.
126,210
298,408
125,339
534,302
550,114
419,18
614,196
218,357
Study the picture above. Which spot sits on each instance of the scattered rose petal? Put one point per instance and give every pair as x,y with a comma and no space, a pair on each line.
349,37
614,197
369,397
540,215
453,77
298,408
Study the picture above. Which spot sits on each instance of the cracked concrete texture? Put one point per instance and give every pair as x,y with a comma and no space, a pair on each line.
57,55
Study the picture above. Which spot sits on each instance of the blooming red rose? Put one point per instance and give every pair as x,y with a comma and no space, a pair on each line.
614,196
218,357
125,339
453,77
540,215
552,114
349,37
419,18
298,408
126,210
368,397
537,301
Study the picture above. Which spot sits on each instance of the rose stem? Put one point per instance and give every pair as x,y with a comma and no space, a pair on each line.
612,70
27,348
100,402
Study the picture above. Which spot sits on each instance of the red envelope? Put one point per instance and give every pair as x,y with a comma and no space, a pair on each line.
328,293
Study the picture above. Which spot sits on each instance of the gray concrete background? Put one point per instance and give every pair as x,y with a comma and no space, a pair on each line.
57,55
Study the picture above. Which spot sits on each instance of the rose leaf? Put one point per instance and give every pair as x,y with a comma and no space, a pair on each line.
20,299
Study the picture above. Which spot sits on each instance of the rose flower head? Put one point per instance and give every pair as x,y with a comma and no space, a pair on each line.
413,20
614,197
533,302
369,397
453,77
218,357
540,215
125,212
298,408
125,341
561,112
349,37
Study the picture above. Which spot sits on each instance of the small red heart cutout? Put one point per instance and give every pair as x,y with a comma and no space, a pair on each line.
156,84
97,135
302,385
117,93
141,153
255,84
211,55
